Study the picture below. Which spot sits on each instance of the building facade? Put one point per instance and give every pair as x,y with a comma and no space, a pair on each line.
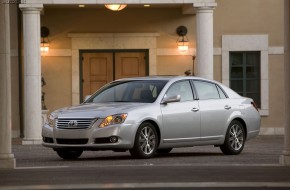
239,43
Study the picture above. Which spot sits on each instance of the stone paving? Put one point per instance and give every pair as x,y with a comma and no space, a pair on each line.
263,150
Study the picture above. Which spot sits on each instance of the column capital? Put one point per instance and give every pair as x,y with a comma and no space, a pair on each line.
205,5
31,7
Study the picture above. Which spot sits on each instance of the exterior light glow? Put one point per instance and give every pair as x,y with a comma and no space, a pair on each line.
44,45
115,7
81,6
44,48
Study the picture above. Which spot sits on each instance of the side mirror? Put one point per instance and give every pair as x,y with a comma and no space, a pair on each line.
171,99
87,97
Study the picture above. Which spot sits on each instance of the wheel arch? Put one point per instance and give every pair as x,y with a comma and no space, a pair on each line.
156,126
243,124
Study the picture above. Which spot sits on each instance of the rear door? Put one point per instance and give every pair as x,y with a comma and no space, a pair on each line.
215,109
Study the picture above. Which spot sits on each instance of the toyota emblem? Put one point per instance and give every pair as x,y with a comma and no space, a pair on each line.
72,123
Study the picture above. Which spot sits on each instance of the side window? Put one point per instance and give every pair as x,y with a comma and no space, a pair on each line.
181,88
206,90
222,94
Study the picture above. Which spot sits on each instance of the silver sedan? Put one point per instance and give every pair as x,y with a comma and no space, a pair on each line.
153,115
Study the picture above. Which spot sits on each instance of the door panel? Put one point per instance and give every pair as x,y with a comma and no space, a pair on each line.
214,118
181,124
130,64
97,71
181,120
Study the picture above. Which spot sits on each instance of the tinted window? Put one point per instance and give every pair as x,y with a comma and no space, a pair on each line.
206,90
129,91
222,94
181,88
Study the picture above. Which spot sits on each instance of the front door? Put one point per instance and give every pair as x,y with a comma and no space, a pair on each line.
101,68
181,120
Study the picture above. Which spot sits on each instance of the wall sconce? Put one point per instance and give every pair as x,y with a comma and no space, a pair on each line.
44,44
182,41
115,7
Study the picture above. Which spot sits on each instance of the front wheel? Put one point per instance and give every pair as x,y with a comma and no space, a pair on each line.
234,140
146,141
69,154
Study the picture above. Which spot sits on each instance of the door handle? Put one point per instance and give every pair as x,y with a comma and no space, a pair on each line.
194,109
227,107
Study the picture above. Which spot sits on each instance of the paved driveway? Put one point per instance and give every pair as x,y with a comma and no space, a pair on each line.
185,168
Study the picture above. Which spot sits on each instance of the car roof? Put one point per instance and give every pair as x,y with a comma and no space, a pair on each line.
165,77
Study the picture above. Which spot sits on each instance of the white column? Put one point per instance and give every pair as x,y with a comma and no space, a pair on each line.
6,157
32,73
204,39
285,157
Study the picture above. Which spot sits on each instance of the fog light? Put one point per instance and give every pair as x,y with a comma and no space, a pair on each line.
113,139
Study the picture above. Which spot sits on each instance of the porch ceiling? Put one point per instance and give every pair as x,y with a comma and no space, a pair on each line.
161,2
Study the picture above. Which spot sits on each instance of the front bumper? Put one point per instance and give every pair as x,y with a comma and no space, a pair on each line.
93,138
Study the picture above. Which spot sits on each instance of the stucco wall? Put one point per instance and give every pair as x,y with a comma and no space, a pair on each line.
249,17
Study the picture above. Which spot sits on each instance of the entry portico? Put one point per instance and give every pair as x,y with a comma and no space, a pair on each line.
32,63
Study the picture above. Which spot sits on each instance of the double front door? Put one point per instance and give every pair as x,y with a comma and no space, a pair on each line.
101,68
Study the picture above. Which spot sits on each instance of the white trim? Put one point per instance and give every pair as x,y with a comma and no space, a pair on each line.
111,35
272,50
174,51
272,131
58,53
248,43
276,50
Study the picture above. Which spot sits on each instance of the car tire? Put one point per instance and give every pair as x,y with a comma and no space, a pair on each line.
69,154
164,150
146,142
234,140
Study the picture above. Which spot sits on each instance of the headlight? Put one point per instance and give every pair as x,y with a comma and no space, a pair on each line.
51,119
113,120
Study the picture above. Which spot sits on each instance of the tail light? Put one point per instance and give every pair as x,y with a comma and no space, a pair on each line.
255,105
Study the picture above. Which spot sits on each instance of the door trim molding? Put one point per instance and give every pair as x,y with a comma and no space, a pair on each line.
113,51
109,41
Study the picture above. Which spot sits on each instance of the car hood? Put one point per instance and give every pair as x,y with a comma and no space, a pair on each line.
100,110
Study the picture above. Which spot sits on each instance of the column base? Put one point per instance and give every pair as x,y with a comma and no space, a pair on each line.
285,158
7,161
31,141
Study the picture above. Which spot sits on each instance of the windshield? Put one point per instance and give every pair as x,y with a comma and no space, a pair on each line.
145,91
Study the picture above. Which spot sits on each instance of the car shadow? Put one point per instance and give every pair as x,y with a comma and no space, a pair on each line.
157,156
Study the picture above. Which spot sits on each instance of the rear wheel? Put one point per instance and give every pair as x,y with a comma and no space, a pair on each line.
146,141
234,140
69,154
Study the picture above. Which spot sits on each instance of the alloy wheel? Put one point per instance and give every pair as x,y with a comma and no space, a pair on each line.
147,140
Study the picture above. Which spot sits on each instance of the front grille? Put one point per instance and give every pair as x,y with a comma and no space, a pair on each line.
74,123
72,141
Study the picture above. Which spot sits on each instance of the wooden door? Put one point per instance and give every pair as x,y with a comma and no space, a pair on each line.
97,71
130,64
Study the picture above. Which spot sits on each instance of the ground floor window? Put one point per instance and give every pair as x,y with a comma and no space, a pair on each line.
245,72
